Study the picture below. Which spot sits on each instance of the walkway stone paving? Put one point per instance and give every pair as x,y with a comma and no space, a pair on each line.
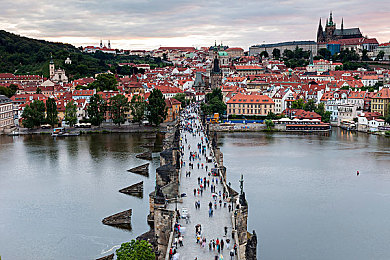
212,227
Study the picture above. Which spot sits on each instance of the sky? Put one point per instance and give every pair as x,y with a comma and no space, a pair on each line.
146,24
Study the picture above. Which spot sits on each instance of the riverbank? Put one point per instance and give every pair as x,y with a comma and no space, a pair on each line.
104,129
233,128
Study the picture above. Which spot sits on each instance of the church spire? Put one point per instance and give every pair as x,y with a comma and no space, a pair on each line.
331,19
320,32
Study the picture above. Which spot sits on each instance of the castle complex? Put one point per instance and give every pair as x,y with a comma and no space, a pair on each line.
331,33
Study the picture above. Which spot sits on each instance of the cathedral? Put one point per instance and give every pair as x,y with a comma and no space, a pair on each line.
332,34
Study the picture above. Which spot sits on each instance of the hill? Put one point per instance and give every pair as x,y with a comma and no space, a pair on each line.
22,55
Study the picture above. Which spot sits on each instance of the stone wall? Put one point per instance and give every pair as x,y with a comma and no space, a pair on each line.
163,221
167,187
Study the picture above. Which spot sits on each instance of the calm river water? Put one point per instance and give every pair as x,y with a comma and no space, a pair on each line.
305,200
55,193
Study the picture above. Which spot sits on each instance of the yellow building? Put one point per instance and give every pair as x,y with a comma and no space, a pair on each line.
250,105
173,109
380,102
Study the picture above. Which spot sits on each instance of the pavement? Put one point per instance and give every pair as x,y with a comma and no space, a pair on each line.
212,227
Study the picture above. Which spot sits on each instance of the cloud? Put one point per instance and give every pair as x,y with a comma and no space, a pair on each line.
148,24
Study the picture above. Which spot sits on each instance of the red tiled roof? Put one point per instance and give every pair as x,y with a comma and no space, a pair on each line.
250,99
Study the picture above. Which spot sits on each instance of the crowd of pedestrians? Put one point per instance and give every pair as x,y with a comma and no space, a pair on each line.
207,187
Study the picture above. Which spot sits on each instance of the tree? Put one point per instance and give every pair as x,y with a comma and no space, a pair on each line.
365,56
104,82
264,54
269,124
34,114
10,91
156,107
119,105
181,97
137,107
214,103
276,53
380,55
310,105
135,250
298,104
216,93
71,113
325,53
387,119
38,90
51,112
289,54
96,109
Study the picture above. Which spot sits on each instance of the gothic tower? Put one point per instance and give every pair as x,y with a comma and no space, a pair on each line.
109,44
330,28
216,73
51,67
101,44
320,33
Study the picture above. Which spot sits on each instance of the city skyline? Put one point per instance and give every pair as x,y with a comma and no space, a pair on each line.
150,24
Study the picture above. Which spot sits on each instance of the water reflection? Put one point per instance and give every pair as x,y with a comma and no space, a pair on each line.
304,195
55,192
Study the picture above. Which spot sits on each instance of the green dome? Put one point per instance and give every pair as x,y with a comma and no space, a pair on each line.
222,53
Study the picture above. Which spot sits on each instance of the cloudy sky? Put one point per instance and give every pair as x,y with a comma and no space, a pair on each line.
146,24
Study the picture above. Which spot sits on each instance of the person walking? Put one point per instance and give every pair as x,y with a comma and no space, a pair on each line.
222,243
181,241
232,254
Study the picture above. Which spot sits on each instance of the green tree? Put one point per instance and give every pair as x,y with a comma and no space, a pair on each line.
310,105
264,54
365,56
320,109
214,103
273,116
119,105
135,250
38,90
156,107
298,104
71,113
269,124
276,53
9,92
181,97
137,107
96,109
325,53
51,112
289,54
380,55
34,114
104,82
216,93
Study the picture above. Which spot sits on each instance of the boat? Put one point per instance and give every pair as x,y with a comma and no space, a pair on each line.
57,131
13,133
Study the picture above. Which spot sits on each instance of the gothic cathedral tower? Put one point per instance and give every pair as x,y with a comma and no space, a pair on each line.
320,33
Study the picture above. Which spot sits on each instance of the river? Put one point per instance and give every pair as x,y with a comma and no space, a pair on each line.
305,198
54,194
